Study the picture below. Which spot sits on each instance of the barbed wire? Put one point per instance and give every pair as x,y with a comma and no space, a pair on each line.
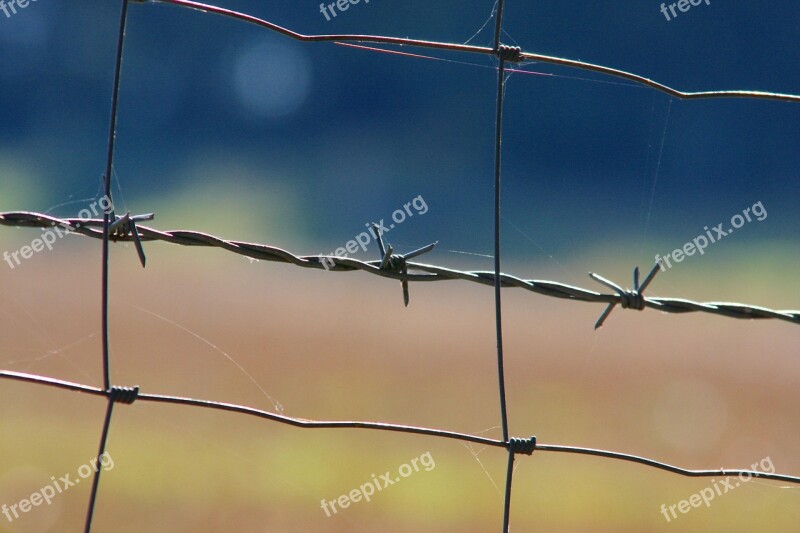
395,266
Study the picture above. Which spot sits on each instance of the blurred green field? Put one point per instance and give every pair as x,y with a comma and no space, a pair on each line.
694,391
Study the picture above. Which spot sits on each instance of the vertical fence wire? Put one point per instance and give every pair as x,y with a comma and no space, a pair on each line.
107,214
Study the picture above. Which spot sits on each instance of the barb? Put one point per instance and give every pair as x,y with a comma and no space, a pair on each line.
126,225
396,262
93,228
524,446
524,56
628,299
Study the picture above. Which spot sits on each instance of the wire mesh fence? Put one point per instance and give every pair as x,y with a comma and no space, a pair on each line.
400,267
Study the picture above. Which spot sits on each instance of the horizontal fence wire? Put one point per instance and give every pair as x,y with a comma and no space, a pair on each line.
127,228
426,272
129,395
519,55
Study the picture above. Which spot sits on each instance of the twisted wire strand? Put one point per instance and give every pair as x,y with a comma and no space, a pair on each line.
526,446
93,228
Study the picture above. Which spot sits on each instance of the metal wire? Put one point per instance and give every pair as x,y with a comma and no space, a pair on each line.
112,136
379,426
498,156
426,272
127,228
527,56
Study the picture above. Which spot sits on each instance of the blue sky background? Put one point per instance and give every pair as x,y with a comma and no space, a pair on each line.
228,128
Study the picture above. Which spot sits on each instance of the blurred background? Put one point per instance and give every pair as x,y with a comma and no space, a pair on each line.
229,129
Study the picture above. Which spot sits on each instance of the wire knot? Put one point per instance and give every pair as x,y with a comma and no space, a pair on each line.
525,446
396,262
512,54
632,300
126,395
627,299
124,226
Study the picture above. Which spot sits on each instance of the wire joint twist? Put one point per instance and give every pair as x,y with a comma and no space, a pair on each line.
126,395
627,299
393,262
512,54
526,446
